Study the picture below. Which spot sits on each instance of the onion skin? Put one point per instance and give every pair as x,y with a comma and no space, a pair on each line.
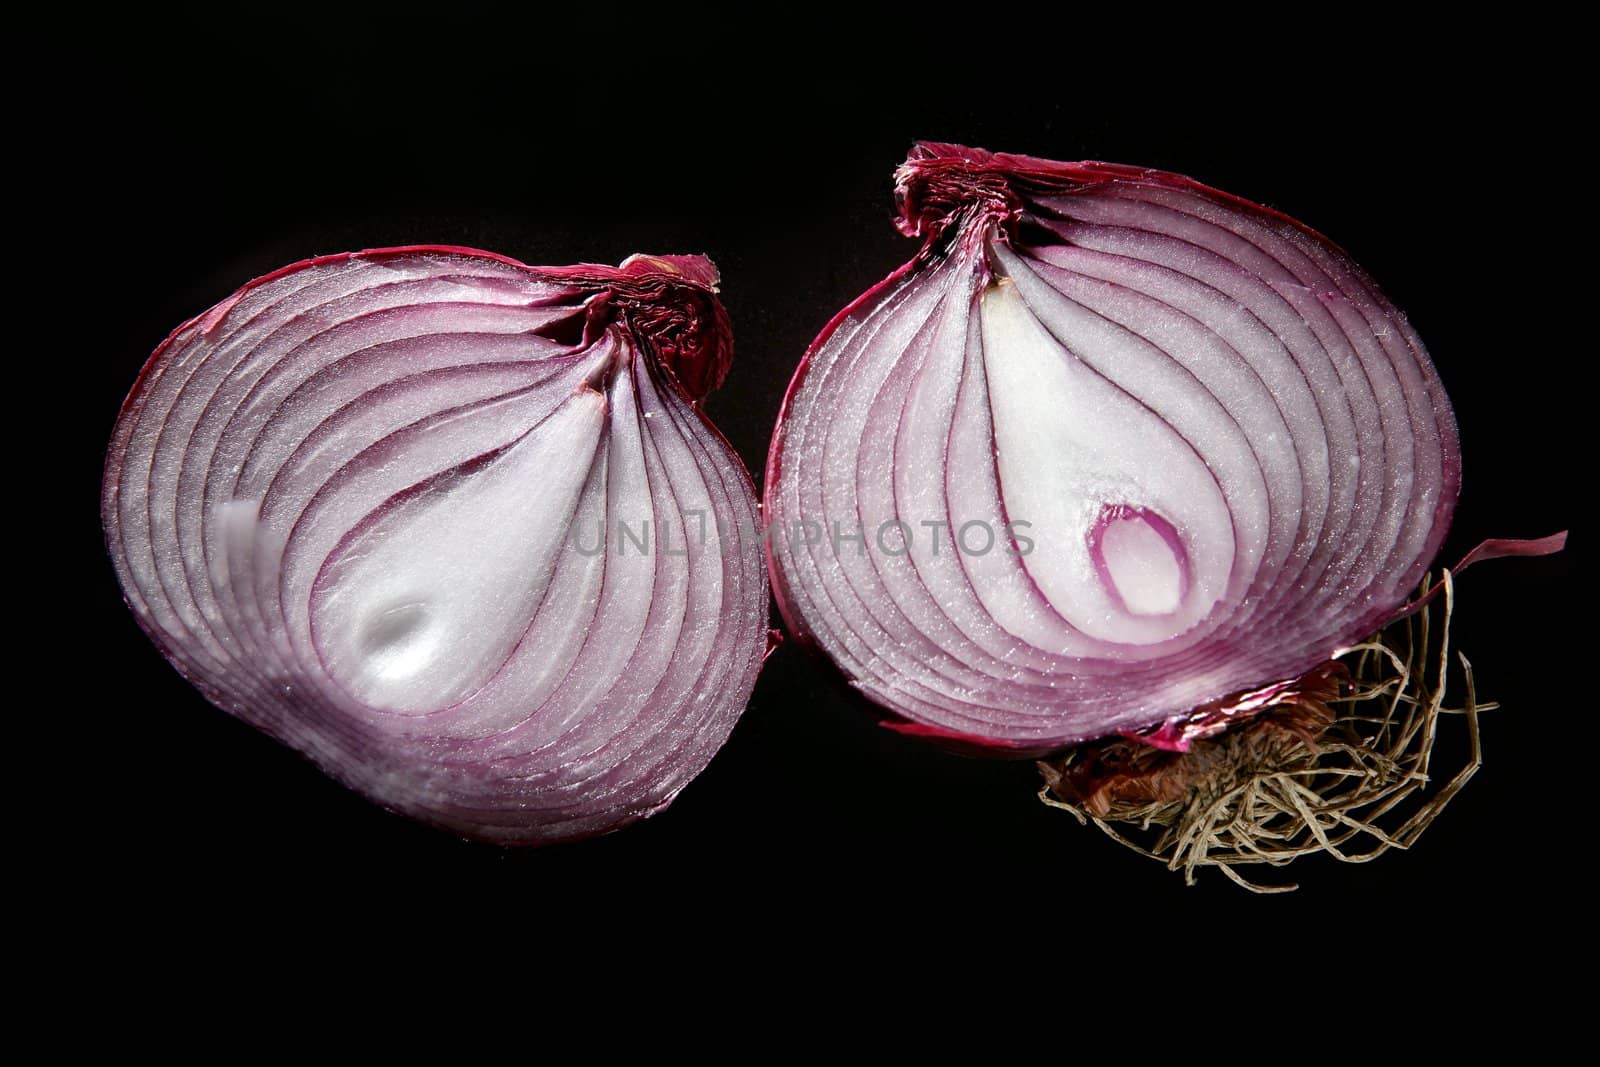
303,502
1250,455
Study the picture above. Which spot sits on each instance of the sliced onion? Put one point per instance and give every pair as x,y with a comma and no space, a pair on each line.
454,528
1118,445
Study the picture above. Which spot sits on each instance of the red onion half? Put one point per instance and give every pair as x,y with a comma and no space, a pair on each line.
1113,446
453,527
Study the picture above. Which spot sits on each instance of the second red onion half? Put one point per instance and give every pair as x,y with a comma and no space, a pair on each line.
455,528
1112,446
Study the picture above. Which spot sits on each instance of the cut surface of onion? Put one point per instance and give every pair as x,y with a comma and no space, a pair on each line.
455,528
1114,445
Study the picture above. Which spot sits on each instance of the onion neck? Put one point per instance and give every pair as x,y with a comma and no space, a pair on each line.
669,306
942,189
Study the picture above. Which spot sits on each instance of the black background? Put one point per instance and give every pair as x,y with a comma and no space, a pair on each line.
208,157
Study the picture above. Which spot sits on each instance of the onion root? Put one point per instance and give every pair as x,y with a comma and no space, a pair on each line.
1341,766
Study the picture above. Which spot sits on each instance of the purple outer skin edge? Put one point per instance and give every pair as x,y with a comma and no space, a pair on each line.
596,275
593,275
1088,171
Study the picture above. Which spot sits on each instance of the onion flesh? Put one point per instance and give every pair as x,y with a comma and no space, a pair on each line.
1138,444
453,527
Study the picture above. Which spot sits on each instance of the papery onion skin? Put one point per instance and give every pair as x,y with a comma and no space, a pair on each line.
358,505
1230,450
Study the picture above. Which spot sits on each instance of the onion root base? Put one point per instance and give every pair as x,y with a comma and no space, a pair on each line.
1342,768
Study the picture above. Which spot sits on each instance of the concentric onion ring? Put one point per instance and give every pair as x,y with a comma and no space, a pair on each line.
360,504
1203,450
